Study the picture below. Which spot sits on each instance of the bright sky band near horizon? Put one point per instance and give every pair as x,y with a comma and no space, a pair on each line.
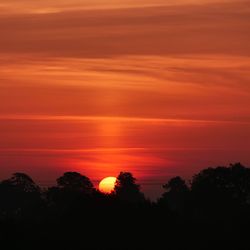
156,87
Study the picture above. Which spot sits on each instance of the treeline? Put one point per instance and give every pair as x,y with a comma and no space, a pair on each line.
212,210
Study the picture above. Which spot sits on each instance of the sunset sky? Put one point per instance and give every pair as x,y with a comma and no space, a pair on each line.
156,87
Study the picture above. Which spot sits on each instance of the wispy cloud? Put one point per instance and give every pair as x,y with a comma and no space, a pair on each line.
68,118
188,87
46,6
169,30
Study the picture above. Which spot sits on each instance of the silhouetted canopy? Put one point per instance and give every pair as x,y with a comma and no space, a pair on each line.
176,184
222,186
177,194
75,181
19,196
22,182
214,209
126,188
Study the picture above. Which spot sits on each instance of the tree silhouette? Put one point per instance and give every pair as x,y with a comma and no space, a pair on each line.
72,191
75,182
177,194
222,190
19,195
214,209
126,188
22,182
240,176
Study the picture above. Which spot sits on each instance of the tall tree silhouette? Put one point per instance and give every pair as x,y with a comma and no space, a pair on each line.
126,188
177,194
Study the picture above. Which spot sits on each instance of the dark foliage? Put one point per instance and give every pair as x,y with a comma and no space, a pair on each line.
177,195
20,197
74,181
212,212
127,190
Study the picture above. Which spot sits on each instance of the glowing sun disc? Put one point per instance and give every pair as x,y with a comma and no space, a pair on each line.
107,185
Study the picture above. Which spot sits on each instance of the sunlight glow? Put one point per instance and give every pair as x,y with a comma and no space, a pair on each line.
107,184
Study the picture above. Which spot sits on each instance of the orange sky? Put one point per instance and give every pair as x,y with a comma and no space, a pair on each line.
159,88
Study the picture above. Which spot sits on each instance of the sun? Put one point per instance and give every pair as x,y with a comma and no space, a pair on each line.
107,185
